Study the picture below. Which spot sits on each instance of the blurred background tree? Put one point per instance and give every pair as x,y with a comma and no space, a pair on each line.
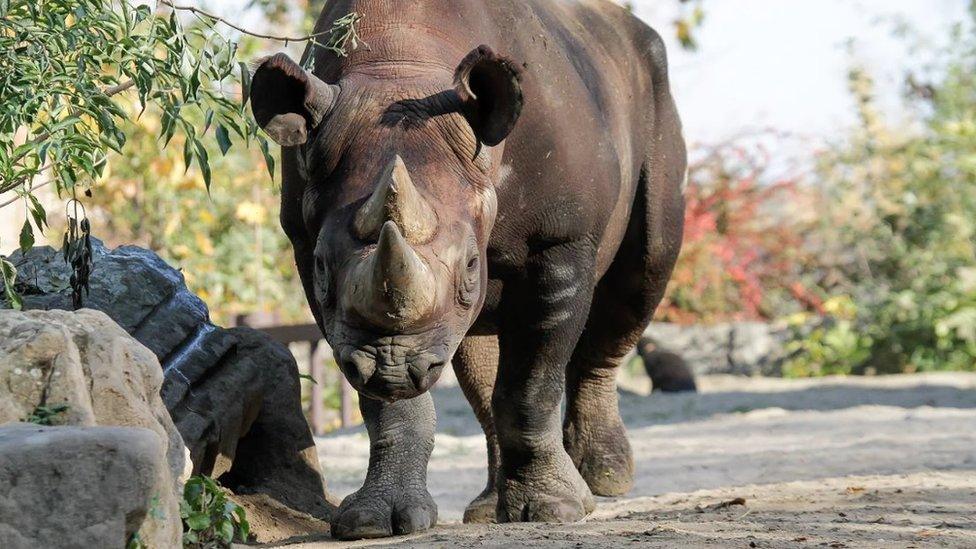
898,230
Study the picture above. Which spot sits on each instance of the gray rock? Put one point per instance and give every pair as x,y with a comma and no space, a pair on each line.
738,348
233,393
84,487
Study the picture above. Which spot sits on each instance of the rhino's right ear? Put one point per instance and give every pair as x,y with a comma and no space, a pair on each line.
287,100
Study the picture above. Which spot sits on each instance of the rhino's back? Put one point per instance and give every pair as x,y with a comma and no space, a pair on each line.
573,160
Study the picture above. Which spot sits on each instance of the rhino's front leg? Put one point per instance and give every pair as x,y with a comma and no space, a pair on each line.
394,499
543,317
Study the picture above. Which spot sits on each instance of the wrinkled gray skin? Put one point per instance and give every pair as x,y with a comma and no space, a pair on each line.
497,182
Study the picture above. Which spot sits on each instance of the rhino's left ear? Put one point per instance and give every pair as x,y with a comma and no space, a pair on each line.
287,100
490,89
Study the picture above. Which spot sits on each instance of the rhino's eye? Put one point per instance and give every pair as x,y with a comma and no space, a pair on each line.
468,285
323,285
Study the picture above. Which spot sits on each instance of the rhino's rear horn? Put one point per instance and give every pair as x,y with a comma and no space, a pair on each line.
396,199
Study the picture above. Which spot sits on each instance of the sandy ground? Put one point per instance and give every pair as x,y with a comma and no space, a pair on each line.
842,462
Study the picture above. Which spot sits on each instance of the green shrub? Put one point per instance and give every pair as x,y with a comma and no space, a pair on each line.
834,345
210,520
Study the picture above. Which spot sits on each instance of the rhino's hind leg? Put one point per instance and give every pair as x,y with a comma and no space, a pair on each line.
593,433
476,364
394,499
623,303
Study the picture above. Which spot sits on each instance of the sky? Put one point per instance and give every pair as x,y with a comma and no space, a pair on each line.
784,63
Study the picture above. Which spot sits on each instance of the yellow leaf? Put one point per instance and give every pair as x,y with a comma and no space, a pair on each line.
251,212
204,244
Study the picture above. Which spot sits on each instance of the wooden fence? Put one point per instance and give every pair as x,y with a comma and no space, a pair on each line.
318,353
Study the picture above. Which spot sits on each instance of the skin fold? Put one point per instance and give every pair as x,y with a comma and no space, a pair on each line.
495,185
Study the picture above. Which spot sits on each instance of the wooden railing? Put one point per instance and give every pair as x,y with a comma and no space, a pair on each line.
318,353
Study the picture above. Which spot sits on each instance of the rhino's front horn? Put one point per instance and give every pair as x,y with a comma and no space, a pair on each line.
396,199
399,287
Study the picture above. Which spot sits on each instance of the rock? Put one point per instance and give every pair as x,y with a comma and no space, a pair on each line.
738,348
758,349
86,362
236,399
85,487
233,393
705,348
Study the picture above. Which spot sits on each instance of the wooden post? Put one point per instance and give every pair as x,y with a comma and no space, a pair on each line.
316,406
346,402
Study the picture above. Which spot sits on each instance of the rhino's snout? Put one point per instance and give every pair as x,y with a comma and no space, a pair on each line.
391,372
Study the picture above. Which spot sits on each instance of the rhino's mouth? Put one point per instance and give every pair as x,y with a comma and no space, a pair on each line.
393,367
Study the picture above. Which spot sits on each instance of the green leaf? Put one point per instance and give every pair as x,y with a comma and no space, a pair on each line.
37,211
207,121
187,154
225,530
268,159
9,275
223,139
245,83
26,237
198,521
308,378
204,161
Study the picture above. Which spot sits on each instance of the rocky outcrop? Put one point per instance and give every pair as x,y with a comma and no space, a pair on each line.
236,399
739,348
80,369
233,393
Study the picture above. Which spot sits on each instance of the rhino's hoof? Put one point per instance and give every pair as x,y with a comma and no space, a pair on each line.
545,508
605,461
361,516
553,491
482,509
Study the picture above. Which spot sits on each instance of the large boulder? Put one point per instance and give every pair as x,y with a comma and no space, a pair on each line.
234,393
81,369
85,487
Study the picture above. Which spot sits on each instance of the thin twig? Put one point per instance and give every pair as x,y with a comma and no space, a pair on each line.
38,186
217,18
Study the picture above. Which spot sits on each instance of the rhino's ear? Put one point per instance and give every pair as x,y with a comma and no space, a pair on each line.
287,100
491,93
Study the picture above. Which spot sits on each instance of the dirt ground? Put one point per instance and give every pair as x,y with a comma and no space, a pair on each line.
836,462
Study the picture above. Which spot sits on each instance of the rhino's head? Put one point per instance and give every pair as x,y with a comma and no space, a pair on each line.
399,200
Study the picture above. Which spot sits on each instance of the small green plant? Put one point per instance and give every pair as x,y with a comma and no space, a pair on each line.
43,415
210,520
135,542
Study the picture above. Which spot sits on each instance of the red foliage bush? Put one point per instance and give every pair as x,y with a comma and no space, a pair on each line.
743,254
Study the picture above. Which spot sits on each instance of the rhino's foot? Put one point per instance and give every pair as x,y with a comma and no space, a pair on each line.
602,456
381,511
548,490
481,510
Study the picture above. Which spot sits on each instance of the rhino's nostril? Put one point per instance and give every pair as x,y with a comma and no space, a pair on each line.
359,367
419,377
423,371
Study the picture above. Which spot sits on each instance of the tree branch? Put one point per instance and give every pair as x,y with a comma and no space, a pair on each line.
218,19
